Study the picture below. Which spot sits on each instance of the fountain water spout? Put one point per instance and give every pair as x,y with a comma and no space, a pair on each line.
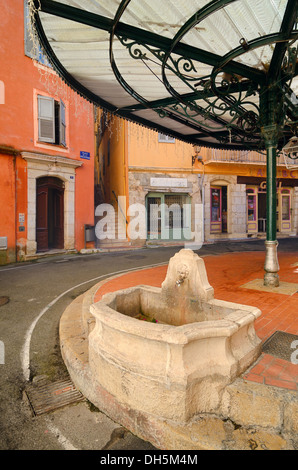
183,274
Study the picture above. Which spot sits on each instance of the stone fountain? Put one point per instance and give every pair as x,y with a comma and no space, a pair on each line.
170,352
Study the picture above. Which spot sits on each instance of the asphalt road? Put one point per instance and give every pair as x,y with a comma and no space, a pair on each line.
37,293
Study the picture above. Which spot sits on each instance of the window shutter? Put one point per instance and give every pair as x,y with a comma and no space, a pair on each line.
46,119
62,129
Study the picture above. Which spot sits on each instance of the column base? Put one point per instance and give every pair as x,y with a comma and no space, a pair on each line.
271,278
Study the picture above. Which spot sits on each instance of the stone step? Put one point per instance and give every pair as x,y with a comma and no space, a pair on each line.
113,244
119,225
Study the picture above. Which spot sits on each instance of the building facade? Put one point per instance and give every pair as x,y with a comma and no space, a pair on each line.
46,149
221,194
235,189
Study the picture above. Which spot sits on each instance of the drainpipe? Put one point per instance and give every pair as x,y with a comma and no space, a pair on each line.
15,206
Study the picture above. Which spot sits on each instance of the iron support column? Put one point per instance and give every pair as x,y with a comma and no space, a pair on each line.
271,266
271,106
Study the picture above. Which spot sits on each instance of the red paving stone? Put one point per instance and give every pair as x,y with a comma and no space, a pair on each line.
274,371
226,274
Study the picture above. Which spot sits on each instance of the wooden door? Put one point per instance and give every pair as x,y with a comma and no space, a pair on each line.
58,216
42,234
49,214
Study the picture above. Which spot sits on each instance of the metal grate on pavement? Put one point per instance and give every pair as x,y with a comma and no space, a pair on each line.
48,396
280,345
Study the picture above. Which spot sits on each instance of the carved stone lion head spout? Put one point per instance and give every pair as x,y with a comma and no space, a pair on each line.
183,273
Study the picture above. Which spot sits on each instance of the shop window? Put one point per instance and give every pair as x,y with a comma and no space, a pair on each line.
51,121
253,224
174,217
168,216
153,217
285,204
251,205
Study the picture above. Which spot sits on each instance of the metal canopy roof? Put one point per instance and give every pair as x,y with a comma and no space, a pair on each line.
196,70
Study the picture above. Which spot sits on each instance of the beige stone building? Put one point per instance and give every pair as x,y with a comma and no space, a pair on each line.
221,194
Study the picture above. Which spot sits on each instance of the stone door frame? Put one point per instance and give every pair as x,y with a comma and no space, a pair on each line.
39,165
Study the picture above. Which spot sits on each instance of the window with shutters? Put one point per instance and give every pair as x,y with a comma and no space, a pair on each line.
166,139
51,121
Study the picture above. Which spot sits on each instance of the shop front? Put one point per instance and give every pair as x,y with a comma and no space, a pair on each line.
168,216
286,205
173,206
236,206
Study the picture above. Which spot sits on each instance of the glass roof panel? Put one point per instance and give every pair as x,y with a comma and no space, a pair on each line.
222,31
98,7
165,18
192,65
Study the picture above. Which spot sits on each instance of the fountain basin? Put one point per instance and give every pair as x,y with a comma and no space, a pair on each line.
179,364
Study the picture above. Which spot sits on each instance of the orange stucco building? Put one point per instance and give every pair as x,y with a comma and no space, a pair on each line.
46,149
227,187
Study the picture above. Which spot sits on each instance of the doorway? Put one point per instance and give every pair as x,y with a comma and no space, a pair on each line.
262,212
168,217
49,213
284,210
219,209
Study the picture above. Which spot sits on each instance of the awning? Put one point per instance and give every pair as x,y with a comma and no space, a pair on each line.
196,70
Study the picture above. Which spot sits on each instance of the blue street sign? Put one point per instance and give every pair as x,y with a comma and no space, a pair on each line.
85,155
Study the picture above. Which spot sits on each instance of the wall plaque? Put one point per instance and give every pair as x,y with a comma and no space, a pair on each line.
169,182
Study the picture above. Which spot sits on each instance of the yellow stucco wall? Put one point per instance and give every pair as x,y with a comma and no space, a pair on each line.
145,151
136,148
112,156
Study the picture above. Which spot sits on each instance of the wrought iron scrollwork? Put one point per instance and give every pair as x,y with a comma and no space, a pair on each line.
138,51
221,101
225,106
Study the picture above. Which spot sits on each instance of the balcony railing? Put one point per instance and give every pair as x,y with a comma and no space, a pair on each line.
243,156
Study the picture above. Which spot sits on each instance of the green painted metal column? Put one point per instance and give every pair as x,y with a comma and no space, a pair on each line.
271,192
271,105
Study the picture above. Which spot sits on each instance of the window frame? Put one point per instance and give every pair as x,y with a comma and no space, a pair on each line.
58,118
165,139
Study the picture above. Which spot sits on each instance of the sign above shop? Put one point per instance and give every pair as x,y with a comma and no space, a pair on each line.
280,182
168,182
